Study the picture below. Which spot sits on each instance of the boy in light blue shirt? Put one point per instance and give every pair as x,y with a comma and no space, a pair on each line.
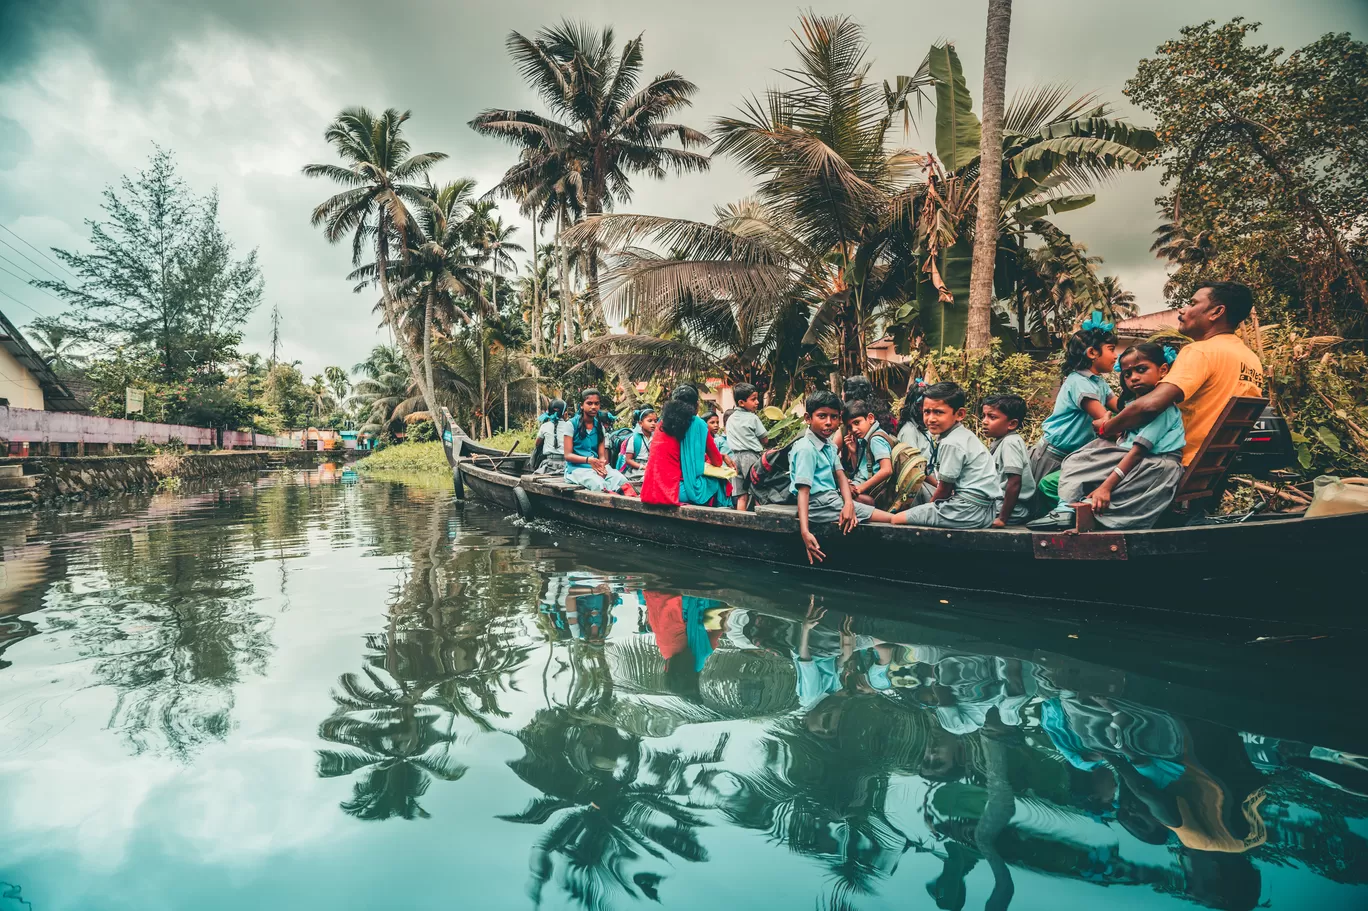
819,482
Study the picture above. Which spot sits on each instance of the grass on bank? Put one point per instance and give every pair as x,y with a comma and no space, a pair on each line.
502,441
410,458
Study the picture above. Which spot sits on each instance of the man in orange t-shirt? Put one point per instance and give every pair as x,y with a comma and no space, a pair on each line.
1209,372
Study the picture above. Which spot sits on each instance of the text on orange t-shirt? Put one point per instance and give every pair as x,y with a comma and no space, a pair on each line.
1211,373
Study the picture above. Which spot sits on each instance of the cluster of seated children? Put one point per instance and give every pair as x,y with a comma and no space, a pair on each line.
1127,462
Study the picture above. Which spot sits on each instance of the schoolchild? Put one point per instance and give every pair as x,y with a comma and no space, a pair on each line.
966,479
910,428
585,452
1084,396
873,462
636,449
1003,416
547,448
714,419
1130,482
746,437
819,482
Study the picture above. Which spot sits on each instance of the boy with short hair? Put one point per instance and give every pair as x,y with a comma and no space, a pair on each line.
819,481
1003,416
747,438
966,478
873,451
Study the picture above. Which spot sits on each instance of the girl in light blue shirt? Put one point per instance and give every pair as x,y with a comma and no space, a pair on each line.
1130,482
1083,397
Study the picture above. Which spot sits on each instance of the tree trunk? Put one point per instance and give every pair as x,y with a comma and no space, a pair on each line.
567,320
536,296
427,355
596,311
505,405
392,320
852,357
979,336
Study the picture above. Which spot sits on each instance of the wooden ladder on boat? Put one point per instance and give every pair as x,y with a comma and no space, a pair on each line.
1207,470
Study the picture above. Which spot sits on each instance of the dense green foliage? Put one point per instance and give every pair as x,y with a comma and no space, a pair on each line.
422,458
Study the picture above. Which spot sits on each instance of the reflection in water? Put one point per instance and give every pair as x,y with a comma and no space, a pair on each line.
648,731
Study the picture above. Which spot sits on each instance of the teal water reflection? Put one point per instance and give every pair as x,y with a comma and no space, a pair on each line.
311,694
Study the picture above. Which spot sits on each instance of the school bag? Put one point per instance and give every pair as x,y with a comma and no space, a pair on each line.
909,471
613,445
769,477
622,450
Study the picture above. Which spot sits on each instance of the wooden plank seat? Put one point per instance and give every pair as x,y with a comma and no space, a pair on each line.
1205,475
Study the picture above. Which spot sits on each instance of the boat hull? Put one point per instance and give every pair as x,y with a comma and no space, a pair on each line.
1256,570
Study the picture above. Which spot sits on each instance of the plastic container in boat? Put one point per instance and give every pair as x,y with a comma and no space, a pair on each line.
1336,497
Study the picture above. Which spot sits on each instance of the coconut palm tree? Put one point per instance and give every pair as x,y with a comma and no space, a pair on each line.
1120,303
57,345
382,394
603,128
338,382
380,176
320,398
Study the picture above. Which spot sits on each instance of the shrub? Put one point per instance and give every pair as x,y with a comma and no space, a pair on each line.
422,432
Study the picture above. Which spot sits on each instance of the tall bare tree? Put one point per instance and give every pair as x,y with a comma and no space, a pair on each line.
980,334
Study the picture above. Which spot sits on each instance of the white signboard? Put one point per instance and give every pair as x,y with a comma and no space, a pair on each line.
133,400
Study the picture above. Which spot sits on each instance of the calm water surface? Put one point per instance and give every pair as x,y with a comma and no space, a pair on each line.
316,693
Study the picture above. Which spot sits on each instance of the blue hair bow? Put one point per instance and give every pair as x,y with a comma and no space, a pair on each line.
1096,322
1170,354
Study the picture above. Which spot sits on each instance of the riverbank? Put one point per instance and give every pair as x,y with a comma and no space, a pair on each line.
55,479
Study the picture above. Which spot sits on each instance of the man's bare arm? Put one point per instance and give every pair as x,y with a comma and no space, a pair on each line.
1142,410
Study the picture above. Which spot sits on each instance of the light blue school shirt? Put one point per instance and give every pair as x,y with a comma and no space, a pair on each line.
813,462
1163,435
586,445
1068,427
870,443
963,460
745,430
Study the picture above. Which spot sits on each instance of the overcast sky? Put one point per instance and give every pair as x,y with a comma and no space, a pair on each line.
241,90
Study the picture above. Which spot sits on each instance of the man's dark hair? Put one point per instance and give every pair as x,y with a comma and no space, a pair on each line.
742,391
823,399
1010,404
857,409
1237,299
949,393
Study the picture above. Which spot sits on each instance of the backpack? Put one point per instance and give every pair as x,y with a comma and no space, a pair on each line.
622,449
613,445
909,471
769,477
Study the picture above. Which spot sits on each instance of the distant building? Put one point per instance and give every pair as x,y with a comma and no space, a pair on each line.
26,381
1139,328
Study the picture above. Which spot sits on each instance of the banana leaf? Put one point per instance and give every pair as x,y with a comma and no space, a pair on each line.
957,128
944,324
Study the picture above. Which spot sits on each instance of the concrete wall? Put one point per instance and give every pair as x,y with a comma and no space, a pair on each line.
18,385
24,425
91,477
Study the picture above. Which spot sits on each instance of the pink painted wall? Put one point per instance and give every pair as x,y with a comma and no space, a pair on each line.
24,425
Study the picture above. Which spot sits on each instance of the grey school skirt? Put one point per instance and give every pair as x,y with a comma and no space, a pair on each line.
1138,499
1045,459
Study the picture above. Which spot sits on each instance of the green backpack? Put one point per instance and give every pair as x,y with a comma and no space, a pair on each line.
909,471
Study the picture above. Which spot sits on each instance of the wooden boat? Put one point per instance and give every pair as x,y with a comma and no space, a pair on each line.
1277,568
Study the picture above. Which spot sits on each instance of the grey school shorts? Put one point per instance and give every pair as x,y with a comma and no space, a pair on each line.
825,506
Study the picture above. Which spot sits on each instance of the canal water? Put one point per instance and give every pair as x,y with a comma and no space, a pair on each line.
320,692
